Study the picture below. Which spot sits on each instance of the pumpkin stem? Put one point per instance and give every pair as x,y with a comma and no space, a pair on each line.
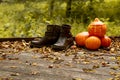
96,20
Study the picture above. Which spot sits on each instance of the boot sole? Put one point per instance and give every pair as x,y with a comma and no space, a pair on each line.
38,46
62,47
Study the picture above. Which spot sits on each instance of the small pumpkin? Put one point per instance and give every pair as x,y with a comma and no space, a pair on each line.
105,41
97,28
81,37
93,43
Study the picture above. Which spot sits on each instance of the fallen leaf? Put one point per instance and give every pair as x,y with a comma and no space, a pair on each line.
5,78
34,64
112,50
34,72
35,57
15,74
118,58
86,62
4,55
88,70
13,66
95,66
110,79
77,79
13,58
73,47
105,64
69,64
58,61
114,67
51,66
2,58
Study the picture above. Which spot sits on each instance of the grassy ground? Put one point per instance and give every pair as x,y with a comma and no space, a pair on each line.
16,20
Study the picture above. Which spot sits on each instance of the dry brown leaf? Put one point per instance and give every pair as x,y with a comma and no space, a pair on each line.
58,61
114,67
95,66
116,76
35,57
77,79
13,66
5,78
15,74
5,46
86,62
13,58
73,47
118,58
112,73
24,43
1,58
34,72
34,64
112,50
104,64
110,79
69,64
88,70
51,66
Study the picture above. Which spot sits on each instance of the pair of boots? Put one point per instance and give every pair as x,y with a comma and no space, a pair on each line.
59,37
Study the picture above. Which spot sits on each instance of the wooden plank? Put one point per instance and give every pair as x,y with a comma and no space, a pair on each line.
28,68
17,39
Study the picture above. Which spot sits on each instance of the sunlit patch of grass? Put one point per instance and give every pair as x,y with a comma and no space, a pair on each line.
113,29
77,28
110,0
11,27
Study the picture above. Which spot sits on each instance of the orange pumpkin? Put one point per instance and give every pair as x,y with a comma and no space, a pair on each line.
105,41
97,28
92,43
81,37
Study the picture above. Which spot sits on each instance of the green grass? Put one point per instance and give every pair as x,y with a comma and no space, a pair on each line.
16,20
112,29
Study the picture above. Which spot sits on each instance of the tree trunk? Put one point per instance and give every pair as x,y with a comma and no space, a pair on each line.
51,8
1,1
101,1
91,0
68,8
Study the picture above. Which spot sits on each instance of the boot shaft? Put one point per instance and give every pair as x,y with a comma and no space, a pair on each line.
53,30
65,39
51,36
65,31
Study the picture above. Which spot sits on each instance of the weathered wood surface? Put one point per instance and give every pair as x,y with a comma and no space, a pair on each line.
33,66
19,62
17,39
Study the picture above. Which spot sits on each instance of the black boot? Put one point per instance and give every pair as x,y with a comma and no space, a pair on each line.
51,36
65,40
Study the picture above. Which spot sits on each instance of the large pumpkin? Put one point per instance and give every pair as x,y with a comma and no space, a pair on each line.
105,41
97,28
92,43
81,37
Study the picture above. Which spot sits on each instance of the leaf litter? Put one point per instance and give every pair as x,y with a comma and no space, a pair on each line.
103,57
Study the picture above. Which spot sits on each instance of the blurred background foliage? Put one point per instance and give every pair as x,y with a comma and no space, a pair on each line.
29,18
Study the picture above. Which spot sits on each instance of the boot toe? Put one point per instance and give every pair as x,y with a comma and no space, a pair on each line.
58,47
62,46
35,44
